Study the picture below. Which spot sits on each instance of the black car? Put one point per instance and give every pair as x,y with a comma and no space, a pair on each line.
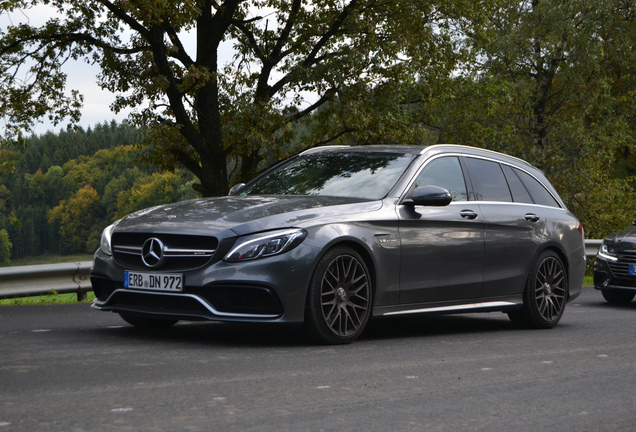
615,266
337,235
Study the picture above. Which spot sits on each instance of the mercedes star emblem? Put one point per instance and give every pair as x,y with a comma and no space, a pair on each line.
152,252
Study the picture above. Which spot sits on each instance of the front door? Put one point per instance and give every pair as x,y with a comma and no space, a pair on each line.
442,247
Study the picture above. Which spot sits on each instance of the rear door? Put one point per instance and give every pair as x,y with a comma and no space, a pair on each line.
513,226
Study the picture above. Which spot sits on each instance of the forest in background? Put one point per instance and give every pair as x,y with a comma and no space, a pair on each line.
59,190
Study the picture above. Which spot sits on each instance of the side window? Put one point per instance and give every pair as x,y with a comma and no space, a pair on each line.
539,193
488,180
519,192
444,172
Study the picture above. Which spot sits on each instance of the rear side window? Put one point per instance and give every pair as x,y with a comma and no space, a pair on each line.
488,180
540,194
519,192
444,172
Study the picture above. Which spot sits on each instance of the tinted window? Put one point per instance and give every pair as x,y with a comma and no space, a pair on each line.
444,172
539,194
488,180
343,174
519,192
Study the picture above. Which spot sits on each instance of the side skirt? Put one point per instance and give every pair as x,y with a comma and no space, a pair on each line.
503,306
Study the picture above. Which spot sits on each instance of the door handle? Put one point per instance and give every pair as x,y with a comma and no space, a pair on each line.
468,214
531,217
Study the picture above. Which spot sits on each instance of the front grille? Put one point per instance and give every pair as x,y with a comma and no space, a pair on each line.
182,252
620,268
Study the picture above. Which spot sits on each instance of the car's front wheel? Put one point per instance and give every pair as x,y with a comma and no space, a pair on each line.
618,297
545,294
340,297
147,323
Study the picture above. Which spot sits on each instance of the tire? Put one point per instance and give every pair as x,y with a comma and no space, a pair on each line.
618,297
545,294
340,297
148,323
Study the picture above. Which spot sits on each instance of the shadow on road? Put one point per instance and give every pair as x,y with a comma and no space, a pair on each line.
231,334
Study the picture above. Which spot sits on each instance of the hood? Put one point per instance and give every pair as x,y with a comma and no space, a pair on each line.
241,214
622,241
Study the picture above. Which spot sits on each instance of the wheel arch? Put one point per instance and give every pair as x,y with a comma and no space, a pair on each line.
364,252
554,247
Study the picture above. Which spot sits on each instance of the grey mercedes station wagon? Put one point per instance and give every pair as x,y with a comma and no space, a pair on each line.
335,236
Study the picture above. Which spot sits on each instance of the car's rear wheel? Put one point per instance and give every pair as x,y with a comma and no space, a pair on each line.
618,297
340,297
545,294
147,323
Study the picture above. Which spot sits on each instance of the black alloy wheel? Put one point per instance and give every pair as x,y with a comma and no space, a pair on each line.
340,297
545,294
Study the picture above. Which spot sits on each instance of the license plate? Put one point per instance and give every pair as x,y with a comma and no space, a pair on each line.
632,269
153,281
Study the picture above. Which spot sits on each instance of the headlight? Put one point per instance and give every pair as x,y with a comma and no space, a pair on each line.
604,253
104,245
265,244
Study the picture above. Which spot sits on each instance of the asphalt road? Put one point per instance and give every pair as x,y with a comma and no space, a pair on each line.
69,368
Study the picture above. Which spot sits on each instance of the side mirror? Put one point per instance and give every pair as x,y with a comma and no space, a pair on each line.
237,187
634,222
432,196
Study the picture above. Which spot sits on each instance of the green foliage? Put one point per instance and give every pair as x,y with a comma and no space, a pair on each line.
553,82
156,189
63,208
5,247
77,215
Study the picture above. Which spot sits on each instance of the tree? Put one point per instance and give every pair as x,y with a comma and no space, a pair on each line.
153,190
77,217
5,247
352,56
553,82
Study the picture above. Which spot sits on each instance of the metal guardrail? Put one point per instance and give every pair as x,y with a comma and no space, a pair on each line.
591,247
33,280
24,281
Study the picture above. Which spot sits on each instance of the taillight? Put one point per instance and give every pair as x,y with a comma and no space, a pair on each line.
580,229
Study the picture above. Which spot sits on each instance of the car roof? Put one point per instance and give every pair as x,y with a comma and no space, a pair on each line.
417,150
382,148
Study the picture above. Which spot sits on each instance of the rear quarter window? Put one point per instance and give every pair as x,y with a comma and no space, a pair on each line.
519,192
539,193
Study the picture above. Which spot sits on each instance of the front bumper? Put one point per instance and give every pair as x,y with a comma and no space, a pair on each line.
266,290
606,278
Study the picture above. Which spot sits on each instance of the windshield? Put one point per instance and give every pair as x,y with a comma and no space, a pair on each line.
342,174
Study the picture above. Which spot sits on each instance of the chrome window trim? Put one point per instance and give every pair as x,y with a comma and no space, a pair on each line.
466,155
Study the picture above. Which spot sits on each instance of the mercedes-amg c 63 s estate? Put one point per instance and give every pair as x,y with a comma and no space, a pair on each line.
335,236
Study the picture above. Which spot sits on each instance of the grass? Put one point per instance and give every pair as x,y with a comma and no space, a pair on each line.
51,259
52,298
